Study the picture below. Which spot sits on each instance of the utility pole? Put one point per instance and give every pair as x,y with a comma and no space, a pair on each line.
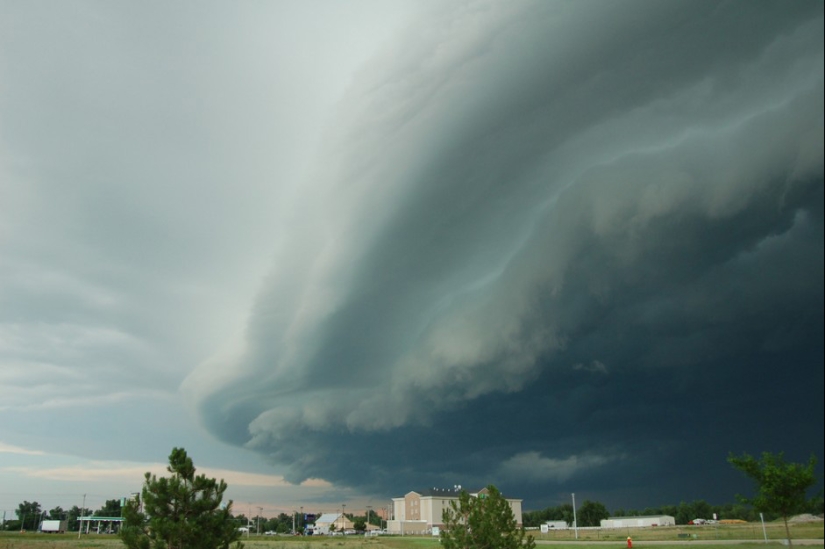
575,522
258,528
82,510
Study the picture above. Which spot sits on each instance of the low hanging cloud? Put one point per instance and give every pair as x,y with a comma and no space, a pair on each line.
595,367
514,188
531,466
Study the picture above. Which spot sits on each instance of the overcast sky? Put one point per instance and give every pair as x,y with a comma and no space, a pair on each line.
343,250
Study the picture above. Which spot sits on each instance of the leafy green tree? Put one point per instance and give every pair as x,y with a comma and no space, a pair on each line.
75,512
110,509
816,505
11,525
781,487
701,509
183,511
535,518
280,524
29,514
591,513
360,524
684,513
57,513
669,510
485,521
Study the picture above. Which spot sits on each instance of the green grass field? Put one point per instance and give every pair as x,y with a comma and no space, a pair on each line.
749,535
750,531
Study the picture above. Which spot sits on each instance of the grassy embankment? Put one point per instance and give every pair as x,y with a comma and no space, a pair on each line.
751,534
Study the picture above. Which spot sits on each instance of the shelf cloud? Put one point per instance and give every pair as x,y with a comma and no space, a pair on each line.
541,229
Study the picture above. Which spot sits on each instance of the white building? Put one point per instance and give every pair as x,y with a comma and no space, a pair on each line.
419,512
638,522
554,525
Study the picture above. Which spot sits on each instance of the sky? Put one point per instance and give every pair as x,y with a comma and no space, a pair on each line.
339,251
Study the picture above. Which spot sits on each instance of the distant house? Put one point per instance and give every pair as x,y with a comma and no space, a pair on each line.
637,522
324,523
419,512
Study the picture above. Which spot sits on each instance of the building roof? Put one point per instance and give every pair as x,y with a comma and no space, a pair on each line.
452,493
639,516
440,492
328,518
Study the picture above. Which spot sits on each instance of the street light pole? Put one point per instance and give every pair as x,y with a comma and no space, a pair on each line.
82,510
575,522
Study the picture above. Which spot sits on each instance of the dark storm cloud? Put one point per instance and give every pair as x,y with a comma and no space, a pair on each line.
551,245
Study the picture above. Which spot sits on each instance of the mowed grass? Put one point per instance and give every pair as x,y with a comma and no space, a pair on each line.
750,531
750,535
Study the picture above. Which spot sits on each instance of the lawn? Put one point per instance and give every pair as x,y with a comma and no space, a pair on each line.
706,536
751,531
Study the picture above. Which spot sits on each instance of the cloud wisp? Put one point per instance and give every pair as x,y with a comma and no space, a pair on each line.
531,466
519,189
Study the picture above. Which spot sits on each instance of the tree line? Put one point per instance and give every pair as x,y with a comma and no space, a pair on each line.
30,514
590,513
186,507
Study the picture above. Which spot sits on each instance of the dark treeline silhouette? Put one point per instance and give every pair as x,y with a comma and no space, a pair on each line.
31,514
683,513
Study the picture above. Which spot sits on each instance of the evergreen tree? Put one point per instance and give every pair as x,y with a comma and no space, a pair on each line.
183,511
482,522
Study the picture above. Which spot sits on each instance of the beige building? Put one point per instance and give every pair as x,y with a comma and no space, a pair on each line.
324,524
419,512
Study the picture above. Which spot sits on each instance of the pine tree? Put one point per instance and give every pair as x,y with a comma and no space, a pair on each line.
183,511
485,521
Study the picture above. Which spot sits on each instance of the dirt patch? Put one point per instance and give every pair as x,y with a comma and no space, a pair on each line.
805,518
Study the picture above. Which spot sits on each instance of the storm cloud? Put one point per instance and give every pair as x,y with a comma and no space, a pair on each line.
549,245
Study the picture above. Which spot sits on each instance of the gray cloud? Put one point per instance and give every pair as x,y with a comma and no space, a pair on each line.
524,187
147,157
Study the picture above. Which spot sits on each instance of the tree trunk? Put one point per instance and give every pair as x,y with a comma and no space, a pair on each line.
787,530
